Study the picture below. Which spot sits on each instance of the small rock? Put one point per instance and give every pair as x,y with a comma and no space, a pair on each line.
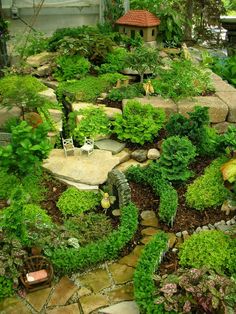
149,231
146,240
185,235
232,221
116,212
171,240
199,229
217,224
222,222
222,227
140,155
205,228
179,234
174,250
211,227
153,154
228,223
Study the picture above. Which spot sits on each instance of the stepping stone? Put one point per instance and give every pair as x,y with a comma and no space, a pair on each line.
121,273
69,309
13,306
221,86
124,293
129,260
149,231
96,280
63,291
121,308
110,145
91,170
149,218
38,298
92,302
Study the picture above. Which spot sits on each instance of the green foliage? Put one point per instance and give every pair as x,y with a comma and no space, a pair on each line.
85,41
7,181
114,61
88,228
94,122
9,123
183,79
36,42
226,68
208,190
228,140
69,259
71,67
6,287
89,88
139,123
75,202
209,249
144,286
27,149
125,92
20,91
113,10
196,291
143,59
196,128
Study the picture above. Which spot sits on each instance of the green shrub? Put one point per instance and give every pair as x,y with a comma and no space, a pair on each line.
144,286
138,123
27,149
94,122
225,67
6,287
114,61
177,153
228,140
208,190
209,249
36,42
7,181
196,291
129,92
71,67
11,122
196,128
88,228
67,260
75,202
183,79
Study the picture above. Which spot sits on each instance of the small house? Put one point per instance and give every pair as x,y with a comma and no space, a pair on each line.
139,22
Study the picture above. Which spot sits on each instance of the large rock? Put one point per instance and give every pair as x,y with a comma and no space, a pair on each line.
129,307
91,170
110,145
56,116
139,154
44,70
218,110
40,59
49,94
153,154
157,102
7,114
123,293
229,98
121,273
38,298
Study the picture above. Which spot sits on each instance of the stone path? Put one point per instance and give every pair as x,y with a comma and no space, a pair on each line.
106,289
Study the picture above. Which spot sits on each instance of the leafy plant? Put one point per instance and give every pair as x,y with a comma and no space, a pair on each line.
114,61
226,68
69,259
71,67
88,228
21,92
144,286
229,170
208,190
227,140
196,291
35,43
139,123
94,122
75,202
142,59
6,287
177,153
183,79
128,92
209,249
27,149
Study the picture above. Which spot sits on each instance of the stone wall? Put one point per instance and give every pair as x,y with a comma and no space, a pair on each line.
119,187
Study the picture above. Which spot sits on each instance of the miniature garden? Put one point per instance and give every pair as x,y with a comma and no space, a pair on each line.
160,174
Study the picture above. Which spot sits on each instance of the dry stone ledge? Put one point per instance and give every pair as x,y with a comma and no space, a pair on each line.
218,110
222,86
110,145
7,114
63,291
96,280
109,111
80,186
229,98
123,293
157,102
81,168
44,70
40,59
48,94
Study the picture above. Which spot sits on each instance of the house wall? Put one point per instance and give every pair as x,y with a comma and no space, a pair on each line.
145,32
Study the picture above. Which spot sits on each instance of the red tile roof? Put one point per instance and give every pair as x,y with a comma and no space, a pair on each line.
141,18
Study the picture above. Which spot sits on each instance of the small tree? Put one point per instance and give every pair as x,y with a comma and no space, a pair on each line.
142,59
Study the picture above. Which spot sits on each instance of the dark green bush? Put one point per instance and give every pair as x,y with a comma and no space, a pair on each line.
71,67
177,153
144,286
75,202
129,92
209,249
6,287
138,123
67,260
208,190
94,123
183,79
36,42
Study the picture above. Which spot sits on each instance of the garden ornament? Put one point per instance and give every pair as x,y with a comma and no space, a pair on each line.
88,146
68,145
187,54
107,200
148,88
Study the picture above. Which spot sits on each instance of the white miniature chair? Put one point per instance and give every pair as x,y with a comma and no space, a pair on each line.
68,145
88,146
